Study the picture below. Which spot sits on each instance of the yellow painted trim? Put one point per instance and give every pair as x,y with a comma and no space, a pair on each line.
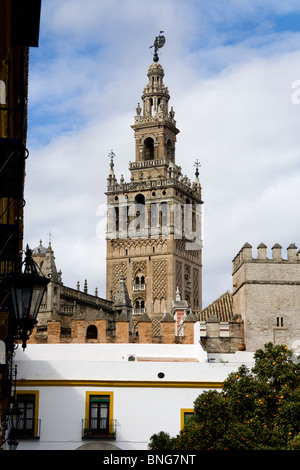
117,383
182,412
111,405
36,393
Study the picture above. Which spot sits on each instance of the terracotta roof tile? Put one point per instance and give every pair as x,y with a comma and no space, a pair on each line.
222,307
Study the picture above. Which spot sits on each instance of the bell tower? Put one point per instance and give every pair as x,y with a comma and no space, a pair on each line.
154,221
155,127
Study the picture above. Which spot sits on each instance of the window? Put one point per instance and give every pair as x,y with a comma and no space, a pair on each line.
148,149
139,304
139,213
99,413
29,424
280,321
185,415
2,92
91,332
139,282
99,422
170,150
164,214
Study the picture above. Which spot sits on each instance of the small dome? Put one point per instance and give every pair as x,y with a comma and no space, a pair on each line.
40,250
155,69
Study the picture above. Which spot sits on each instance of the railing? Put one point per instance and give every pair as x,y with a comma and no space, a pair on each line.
148,163
139,311
139,287
102,428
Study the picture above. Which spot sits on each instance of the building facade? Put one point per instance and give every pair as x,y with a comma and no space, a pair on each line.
266,294
111,396
63,307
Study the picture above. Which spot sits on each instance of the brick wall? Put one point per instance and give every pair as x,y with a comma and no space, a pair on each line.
78,334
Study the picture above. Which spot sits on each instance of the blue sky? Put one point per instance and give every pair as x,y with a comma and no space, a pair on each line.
229,66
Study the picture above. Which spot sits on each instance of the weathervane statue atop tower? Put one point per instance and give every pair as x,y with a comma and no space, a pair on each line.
158,44
197,165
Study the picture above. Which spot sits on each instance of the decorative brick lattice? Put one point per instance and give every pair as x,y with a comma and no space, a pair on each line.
118,269
195,288
145,246
178,275
159,290
156,328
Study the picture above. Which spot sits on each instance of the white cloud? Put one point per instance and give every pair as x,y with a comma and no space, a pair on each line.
233,107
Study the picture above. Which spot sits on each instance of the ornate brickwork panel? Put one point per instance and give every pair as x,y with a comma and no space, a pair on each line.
196,288
178,275
118,269
143,246
159,271
142,265
193,255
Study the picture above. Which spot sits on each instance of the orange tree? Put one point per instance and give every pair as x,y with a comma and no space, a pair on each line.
257,409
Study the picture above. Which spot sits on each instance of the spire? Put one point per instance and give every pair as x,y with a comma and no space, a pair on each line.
196,184
156,95
122,302
45,259
122,299
111,176
155,125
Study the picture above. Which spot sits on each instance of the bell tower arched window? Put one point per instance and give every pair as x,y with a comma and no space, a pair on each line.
148,149
170,150
139,281
140,212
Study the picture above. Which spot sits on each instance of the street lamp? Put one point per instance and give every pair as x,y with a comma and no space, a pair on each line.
14,416
27,290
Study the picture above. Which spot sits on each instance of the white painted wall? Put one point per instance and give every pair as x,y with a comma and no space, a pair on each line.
140,410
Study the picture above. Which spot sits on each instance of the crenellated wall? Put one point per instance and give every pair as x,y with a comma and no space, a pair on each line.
81,332
266,293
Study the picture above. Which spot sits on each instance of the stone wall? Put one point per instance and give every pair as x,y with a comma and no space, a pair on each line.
266,293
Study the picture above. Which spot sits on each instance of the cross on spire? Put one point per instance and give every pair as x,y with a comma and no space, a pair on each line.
197,165
111,156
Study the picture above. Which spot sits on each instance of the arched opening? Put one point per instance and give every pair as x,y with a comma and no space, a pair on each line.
139,281
164,214
140,199
148,149
140,213
91,332
170,151
139,306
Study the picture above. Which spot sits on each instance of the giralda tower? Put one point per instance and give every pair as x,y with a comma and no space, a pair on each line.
154,221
